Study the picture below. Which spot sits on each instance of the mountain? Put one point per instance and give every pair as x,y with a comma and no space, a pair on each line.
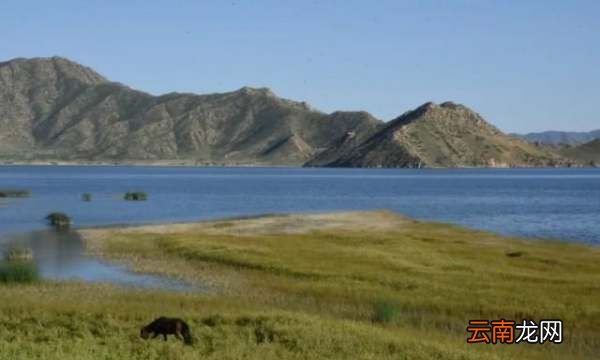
561,137
52,108
31,90
445,135
588,153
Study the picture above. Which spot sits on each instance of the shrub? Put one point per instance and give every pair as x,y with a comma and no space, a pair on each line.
86,197
514,253
59,220
18,272
135,196
14,193
384,312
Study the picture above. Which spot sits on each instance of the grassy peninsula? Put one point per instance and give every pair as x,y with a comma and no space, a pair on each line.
371,285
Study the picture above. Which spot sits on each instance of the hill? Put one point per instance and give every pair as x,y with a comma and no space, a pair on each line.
561,137
52,108
588,153
445,135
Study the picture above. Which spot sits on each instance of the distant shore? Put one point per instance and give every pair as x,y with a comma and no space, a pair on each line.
197,164
157,163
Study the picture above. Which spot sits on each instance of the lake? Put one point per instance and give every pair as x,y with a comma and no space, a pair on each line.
535,203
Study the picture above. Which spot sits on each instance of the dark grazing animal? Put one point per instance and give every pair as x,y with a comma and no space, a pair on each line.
167,326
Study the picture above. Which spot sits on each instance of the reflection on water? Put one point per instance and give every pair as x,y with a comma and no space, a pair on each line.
60,255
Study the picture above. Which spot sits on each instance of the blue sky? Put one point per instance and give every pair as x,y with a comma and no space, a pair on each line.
524,65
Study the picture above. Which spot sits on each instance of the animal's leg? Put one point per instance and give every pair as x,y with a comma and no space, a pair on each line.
165,337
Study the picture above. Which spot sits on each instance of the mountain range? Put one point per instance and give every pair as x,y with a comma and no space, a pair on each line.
53,109
561,137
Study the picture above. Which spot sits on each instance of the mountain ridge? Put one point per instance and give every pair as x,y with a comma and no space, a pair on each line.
553,137
83,116
54,109
444,135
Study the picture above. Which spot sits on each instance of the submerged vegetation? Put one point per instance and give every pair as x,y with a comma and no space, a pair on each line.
86,197
135,196
59,220
13,193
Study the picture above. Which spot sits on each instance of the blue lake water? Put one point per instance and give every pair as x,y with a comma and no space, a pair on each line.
536,203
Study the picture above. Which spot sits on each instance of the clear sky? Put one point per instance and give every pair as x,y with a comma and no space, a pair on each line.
524,65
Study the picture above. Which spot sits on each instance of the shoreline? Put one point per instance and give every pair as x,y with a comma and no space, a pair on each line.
303,223
165,163
99,242
195,164
199,224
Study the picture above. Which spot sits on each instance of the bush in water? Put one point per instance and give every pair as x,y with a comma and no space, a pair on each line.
135,196
59,220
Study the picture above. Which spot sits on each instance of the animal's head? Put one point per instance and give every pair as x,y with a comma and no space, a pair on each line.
144,333
188,339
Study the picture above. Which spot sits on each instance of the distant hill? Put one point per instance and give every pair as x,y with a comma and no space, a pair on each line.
561,137
588,153
53,109
446,135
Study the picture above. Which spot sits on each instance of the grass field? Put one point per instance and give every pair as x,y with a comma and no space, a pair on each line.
338,286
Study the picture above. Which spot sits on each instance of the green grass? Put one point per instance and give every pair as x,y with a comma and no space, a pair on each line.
77,321
385,312
18,272
404,292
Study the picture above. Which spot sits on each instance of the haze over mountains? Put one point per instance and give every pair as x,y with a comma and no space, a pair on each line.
52,109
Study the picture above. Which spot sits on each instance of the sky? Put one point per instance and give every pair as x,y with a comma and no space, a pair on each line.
523,65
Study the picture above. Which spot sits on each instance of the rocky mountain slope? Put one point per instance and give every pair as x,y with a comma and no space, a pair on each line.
446,135
52,109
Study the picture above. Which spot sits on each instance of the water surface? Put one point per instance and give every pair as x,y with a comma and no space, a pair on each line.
536,203
60,255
